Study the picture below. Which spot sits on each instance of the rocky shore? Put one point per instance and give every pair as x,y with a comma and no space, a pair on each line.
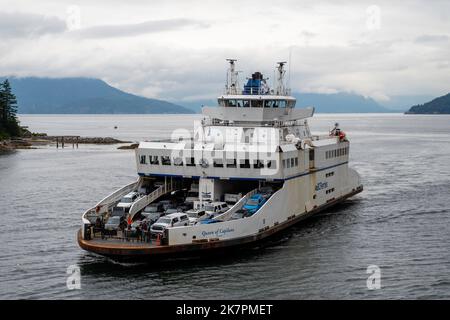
31,141
85,140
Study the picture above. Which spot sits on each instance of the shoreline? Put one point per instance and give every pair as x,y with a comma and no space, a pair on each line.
33,140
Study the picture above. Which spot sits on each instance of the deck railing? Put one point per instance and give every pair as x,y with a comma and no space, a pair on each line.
146,200
238,205
107,203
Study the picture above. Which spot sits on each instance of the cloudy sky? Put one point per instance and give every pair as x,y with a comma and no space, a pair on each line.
176,49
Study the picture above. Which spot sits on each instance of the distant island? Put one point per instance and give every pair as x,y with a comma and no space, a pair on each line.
83,95
439,105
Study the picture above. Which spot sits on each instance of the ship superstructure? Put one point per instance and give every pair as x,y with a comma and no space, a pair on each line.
254,146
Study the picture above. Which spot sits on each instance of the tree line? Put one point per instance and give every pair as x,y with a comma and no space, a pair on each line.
9,124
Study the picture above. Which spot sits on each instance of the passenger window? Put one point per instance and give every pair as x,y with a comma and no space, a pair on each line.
143,160
175,220
154,160
271,164
165,160
190,162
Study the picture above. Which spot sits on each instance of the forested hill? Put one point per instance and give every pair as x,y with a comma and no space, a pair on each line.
439,105
82,95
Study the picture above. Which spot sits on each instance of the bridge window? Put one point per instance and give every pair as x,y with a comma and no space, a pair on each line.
143,160
257,103
268,104
230,103
296,162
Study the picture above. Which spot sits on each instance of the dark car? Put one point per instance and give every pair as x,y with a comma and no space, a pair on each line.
112,225
239,214
153,207
266,191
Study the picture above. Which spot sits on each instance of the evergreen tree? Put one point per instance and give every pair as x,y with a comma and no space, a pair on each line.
8,110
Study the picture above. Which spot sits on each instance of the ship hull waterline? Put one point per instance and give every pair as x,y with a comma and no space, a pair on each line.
200,249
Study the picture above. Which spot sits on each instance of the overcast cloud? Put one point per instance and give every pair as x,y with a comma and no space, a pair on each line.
176,50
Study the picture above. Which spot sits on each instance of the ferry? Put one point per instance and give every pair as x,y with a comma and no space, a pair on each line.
251,169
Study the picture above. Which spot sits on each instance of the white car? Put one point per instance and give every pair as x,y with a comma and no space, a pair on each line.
191,197
171,220
214,208
127,201
195,215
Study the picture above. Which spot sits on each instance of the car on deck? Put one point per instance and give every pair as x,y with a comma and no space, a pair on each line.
266,191
196,215
255,202
155,207
239,214
171,220
127,201
112,225
215,208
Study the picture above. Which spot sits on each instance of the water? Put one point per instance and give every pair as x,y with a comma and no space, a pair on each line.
401,222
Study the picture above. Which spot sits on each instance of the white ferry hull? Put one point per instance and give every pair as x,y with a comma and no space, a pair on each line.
199,249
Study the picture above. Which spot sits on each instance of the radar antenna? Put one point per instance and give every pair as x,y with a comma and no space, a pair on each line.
232,78
281,90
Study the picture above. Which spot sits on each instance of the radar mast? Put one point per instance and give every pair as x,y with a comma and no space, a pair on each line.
232,78
281,88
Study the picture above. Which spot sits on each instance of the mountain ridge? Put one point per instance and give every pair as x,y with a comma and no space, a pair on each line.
439,105
76,95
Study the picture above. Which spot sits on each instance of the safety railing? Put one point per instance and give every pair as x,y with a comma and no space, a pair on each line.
146,200
106,204
238,205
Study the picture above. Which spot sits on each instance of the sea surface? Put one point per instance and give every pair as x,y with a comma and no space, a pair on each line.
400,223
